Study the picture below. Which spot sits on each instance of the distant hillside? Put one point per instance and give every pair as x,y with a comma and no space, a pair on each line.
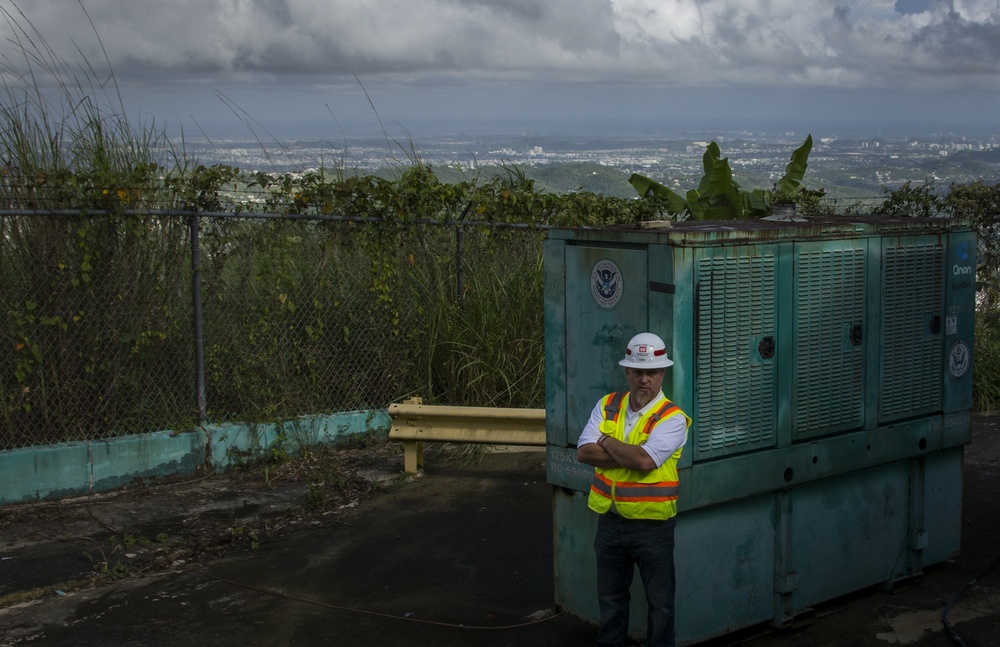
582,176
553,178
863,178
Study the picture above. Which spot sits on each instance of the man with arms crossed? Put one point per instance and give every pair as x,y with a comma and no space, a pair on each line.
634,439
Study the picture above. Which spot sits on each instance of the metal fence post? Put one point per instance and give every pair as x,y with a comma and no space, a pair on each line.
199,342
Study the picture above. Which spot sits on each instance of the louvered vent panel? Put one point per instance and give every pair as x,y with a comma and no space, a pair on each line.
828,389
912,296
735,390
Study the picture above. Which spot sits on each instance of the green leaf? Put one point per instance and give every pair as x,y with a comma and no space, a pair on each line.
755,203
721,198
648,188
789,183
696,207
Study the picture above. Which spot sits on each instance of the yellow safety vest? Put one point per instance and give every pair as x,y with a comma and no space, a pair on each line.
637,495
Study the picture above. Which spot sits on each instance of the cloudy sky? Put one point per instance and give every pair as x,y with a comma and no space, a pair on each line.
323,67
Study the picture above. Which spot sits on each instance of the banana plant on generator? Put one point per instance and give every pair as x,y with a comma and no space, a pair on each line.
720,197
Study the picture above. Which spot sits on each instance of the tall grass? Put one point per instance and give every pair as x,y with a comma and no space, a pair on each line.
293,320
65,140
93,309
986,370
495,354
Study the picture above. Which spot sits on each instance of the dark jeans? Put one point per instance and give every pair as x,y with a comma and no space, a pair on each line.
620,544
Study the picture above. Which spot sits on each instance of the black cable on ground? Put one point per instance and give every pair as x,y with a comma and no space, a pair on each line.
375,613
954,601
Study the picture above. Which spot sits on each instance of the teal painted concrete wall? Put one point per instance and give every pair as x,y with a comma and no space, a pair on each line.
76,468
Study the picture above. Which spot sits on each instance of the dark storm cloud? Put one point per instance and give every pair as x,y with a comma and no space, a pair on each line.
814,43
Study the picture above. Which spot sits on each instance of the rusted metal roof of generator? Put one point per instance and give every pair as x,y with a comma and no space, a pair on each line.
762,229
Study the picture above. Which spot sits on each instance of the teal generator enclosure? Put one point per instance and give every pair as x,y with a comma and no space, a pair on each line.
827,367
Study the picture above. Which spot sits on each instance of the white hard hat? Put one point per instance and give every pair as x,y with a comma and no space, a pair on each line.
646,350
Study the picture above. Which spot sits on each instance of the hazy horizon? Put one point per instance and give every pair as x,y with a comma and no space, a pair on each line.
830,113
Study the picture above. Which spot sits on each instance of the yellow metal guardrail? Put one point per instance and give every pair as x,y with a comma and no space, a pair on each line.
414,423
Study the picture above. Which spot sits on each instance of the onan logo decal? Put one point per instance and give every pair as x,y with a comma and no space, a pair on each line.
959,270
606,283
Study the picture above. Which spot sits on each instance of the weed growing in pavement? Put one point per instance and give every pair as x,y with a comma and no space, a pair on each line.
106,567
462,454
131,540
315,497
239,534
266,460
365,440
116,571
114,563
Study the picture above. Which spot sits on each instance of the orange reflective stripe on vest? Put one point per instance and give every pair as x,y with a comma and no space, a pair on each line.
613,406
601,485
647,492
635,492
666,409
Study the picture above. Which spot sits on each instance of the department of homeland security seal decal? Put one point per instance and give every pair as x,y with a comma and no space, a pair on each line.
606,283
959,359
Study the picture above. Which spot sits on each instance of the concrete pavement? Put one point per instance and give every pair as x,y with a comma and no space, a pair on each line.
459,556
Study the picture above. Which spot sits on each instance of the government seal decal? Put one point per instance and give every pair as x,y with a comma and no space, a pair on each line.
959,360
606,283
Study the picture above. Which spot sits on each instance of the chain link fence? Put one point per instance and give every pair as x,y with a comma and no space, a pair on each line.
118,324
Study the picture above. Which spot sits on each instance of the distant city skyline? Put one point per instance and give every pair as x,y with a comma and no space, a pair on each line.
422,68
846,168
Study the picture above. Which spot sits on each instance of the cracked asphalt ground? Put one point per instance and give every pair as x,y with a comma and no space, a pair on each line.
340,548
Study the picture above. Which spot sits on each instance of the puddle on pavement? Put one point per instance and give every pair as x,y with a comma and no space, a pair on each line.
907,628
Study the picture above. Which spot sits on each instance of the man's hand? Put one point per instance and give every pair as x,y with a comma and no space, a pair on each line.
610,452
